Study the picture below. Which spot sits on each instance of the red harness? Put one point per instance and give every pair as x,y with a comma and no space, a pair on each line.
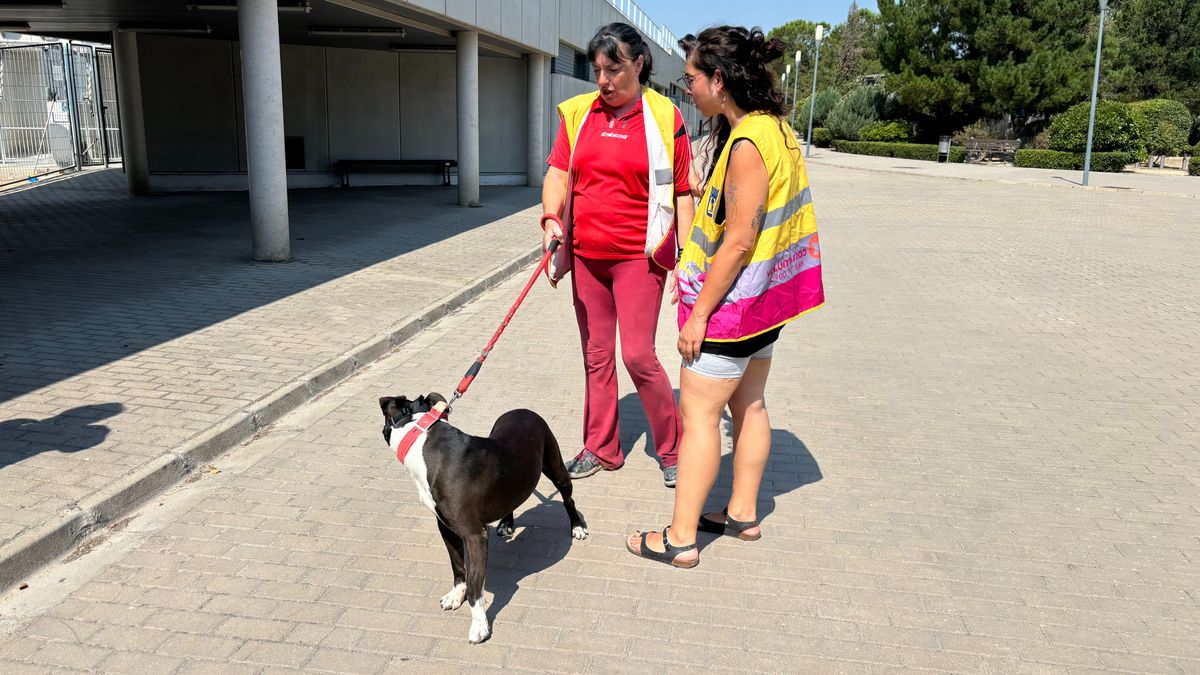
439,410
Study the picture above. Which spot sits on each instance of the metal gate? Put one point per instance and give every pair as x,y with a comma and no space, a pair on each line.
107,79
57,109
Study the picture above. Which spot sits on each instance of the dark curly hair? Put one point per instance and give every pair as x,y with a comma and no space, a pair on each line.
741,56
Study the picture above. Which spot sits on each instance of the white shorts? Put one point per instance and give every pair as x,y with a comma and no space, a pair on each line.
726,367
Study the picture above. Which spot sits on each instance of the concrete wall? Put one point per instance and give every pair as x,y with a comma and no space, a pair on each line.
364,104
192,114
345,103
530,23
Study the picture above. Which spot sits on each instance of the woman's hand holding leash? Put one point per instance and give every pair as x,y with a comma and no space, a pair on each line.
552,229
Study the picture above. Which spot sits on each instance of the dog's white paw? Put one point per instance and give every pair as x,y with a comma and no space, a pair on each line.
505,530
579,532
454,599
479,624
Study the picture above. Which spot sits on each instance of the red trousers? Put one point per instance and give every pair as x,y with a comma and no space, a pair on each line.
625,295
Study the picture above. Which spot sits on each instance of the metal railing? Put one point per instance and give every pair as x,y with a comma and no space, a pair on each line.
659,33
57,109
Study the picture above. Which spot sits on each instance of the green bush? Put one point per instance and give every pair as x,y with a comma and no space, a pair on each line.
1115,131
1112,162
826,99
920,151
886,132
1194,165
1164,125
822,137
857,109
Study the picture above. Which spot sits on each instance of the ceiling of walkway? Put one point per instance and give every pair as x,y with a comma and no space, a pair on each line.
361,24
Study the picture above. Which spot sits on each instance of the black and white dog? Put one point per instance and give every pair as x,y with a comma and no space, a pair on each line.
470,481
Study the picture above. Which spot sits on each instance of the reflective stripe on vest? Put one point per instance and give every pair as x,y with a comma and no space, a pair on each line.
782,276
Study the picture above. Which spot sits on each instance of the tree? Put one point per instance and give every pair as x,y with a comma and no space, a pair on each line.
1158,51
799,35
954,62
852,45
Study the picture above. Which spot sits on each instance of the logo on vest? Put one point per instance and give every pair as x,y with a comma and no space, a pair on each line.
710,207
611,134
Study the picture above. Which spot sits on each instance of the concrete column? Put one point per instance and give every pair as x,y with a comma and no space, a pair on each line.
468,118
262,91
129,106
535,163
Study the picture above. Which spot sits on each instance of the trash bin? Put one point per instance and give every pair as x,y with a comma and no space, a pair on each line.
943,149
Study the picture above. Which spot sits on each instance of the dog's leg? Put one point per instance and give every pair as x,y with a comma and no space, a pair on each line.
506,526
454,546
554,469
477,550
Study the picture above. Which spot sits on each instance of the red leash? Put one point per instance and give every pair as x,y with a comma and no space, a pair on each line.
474,369
439,410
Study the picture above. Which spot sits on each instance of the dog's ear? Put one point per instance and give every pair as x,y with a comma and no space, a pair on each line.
434,398
391,405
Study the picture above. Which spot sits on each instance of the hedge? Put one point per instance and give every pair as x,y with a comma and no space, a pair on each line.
822,137
925,152
1163,125
1113,162
885,132
1194,165
1115,130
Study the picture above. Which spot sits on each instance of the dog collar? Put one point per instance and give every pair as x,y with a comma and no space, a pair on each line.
416,430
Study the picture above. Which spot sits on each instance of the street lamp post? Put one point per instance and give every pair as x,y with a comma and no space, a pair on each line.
812,100
1087,157
794,81
786,74
783,85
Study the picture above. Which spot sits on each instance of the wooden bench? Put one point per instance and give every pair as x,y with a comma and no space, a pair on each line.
344,167
981,149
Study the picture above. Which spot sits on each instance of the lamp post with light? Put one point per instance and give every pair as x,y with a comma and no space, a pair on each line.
795,80
812,100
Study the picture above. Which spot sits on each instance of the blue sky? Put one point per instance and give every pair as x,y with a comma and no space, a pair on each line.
690,16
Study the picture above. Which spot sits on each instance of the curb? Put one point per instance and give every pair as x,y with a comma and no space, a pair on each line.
32,550
1007,181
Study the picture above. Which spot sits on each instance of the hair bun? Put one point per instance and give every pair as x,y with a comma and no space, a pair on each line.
764,50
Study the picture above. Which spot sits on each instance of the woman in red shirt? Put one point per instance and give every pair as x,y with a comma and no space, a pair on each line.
601,164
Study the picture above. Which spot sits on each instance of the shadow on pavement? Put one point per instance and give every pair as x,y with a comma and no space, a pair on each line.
90,275
791,465
543,539
69,431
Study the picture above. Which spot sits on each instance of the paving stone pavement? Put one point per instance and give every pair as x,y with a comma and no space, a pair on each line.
132,324
985,460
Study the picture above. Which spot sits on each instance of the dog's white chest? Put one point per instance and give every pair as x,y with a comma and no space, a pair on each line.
414,461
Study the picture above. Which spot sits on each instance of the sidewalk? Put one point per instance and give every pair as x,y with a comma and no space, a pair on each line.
1147,183
139,339
984,461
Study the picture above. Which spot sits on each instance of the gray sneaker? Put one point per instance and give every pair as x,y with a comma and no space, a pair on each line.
669,476
584,465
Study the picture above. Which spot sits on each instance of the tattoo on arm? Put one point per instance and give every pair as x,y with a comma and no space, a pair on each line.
732,195
757,221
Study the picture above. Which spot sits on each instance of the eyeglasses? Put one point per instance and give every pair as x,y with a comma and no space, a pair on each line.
686,81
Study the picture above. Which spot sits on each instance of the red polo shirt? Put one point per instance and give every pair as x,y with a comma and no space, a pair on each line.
612,181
